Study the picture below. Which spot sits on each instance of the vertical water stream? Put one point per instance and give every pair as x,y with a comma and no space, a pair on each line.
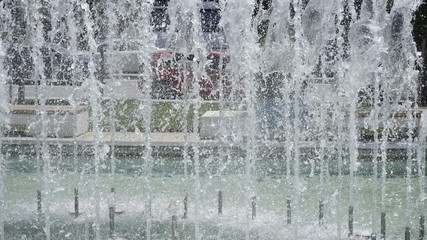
147,109
73,99
3,123
410,151
94,96
297,78
421,164
37,40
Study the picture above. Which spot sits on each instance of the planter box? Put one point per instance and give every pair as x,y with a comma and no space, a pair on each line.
232,123
59,119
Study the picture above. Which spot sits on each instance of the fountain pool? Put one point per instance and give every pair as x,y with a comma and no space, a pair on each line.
170,185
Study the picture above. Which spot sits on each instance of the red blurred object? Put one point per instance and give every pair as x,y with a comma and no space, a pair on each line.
173,76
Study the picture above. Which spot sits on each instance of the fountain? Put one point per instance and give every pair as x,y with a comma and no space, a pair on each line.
190,119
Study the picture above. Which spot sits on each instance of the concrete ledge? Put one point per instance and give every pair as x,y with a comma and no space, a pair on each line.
59,120
50,109
227,123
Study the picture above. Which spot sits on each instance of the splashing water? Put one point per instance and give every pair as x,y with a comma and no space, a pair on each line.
262,101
